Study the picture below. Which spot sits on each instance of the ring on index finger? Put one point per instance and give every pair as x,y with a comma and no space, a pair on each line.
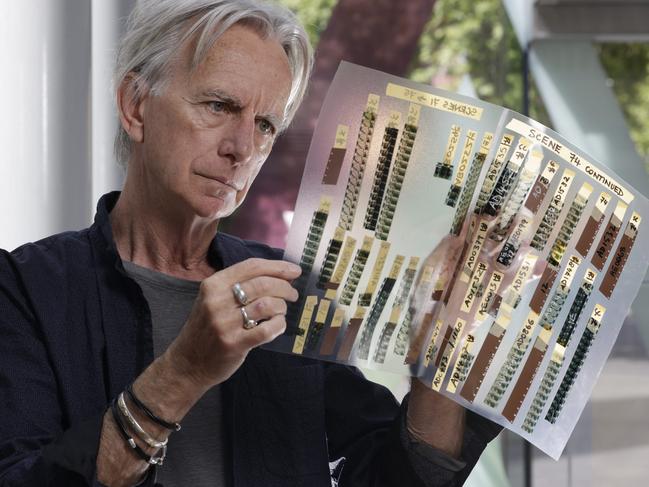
248,323
239,294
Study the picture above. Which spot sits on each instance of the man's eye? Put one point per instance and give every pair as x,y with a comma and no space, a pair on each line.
217,106
266,127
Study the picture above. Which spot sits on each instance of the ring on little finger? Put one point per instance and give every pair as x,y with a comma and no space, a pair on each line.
248,323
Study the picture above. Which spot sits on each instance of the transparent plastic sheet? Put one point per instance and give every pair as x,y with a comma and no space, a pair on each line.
463,243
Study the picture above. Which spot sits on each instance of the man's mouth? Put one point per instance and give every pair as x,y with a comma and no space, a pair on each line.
223,180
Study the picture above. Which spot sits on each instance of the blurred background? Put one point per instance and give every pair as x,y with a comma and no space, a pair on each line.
580,67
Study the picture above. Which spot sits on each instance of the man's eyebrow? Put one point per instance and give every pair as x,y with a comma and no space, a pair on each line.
235,102
224,96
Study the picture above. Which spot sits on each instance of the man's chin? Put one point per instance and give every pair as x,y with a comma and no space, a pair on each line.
214,207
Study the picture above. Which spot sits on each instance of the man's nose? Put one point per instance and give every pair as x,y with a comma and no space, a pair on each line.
239,139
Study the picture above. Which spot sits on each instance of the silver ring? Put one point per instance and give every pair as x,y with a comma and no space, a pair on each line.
247,322
239,294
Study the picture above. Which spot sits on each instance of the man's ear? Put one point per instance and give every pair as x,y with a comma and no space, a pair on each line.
130,106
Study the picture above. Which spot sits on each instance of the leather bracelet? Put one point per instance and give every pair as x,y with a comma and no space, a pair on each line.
135,426
150,459
165,424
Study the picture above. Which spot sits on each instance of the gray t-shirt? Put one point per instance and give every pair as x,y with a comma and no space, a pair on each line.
196,454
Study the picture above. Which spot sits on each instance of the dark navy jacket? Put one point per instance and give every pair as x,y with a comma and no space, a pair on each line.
75,330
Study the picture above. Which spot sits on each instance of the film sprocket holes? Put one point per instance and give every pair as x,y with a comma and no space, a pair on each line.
465,244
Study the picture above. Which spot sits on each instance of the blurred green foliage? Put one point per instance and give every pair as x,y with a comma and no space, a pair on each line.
628,68
314,15
475,37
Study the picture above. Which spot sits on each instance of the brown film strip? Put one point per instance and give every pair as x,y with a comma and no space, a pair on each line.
483,361
331,335
451,339
553,211
618,262
569,224
593,224
336,156
541,186
527,375
351,332
493,339
607,240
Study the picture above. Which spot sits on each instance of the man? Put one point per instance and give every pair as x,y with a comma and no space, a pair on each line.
153,296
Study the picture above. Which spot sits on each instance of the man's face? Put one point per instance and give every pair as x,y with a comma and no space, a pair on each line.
206,136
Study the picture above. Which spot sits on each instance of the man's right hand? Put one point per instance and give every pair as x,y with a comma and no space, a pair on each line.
213,343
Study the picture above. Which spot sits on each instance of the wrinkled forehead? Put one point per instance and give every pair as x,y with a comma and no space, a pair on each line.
241,58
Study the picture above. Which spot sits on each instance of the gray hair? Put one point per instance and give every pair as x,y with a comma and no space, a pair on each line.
157,29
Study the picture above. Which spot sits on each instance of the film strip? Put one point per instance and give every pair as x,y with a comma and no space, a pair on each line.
541,343
406,330
350,334
524,336
333,284
488,296
382,170
309,252
528,175
358,265
507,178
475,288
618,262
577,361
463,364
553,211
305,320
331,335
377,308
389,205
315,331
493,171
471,183
365,298
532,204
336,156
479,230
399,304
498,328
448,345
456,187
593,224
359,161
607,240
556,362
444,169
331,256
569,224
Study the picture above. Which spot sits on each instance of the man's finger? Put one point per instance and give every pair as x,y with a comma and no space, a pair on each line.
251,268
